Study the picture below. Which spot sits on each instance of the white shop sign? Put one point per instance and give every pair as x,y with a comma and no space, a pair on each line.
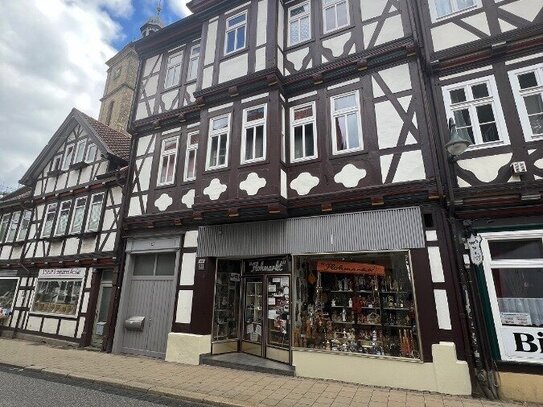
521,343
76,272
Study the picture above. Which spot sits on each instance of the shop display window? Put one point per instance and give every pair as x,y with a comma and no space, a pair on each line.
226,311
356,303
57,297
8,288
278,311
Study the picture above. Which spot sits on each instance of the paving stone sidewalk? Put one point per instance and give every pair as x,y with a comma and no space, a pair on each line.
215,385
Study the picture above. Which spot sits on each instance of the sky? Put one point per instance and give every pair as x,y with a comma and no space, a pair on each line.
52,58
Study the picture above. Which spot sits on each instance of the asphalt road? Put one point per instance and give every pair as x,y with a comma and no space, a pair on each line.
27,389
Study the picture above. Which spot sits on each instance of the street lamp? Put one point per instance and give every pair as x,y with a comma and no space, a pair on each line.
458,142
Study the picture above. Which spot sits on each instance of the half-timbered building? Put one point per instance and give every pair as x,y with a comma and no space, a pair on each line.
59,235
485,60
283,196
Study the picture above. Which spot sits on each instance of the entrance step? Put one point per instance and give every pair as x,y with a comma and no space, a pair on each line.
244,361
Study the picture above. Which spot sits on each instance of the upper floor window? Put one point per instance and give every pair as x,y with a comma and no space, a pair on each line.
68,155
80,151
168,160
173,70
4,226
527,84
95,212
303,137
13,225
217,148
193,63
236,30
49,219
299,23
57,161
476,110
91,153
63,215
25,224
443,8
253,139
335,14
346,123
79,214
190,157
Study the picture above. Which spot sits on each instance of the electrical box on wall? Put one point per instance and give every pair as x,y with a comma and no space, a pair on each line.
519,167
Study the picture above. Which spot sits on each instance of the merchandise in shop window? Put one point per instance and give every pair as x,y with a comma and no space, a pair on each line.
278,311
226,306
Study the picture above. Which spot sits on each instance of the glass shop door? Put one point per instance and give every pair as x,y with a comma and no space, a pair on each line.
278,318
253,311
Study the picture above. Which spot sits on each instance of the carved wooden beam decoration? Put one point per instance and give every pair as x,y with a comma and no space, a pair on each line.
182,118
197,216
272,79
317,78
200,101
233,213
377,200
362,64
233,91
273,208
156,124
326,207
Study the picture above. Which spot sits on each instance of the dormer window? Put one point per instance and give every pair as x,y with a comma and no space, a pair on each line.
335,14
68,155
236,29
55,165
173,70
91,153
80,151
193,63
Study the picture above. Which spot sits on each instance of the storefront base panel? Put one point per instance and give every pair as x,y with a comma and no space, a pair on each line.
521,387
187,348
445,374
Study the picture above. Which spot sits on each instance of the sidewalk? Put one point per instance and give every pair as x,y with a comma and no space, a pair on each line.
215,385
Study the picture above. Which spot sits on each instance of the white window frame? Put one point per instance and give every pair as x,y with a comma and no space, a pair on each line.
171,67
235,28
334,4
470,104
77,206
22,229
4,223
189,148
14,222
253,124
456,11
218,133
65,162
344,112
488,264
297,19
164,154
91,204
80,148
303,122
61,209
192,74
89,159
521,93
56,164
54,207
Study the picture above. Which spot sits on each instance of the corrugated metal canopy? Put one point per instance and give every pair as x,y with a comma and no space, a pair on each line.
390,229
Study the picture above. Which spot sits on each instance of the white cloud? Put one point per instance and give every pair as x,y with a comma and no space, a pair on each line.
179,7
52,58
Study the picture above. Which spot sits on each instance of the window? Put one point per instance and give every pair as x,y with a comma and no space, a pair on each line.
91,153
527,84
217,148
68,155
80,151
303,137
443,8
193,63
48,220
236,28
8,288
299,23
335,14
253,143
95,212
168,160
25,223
156,264
190,157
346,124
109,112
513,266
79,214
55,165
57,297
173,70
4,226
13,225
63,216
476,110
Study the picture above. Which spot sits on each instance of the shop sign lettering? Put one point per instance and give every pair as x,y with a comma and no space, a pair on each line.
76,272
522,344
475,252
267,266
347,267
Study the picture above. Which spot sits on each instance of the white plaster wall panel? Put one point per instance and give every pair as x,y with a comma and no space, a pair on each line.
234,68
386,160
188,267
281,62
207,77
134,208
31,249
116,195
350,176
397,78
49,186
88,282
436,265
526,9
39,250
80,327
297,58
49,326
410,167
505,26
431,235
33,323
163,202
141,112
150,64
71,246
486,168
109,219
392,30
4,252
188,198
389,124
184,307
16,252
280,25
211,42
169,100
71,136
61,181
377,91
450,35
85,301
14,317
261,22
442,309
372,9
151,86
88,245
260,62
304,183
55,249
38,187
86,173
191,239
102,168
369,31
190,90
109,245
284,189
67,327
252,184
72,178
143,143
539,163
479,21
215,189
145,174
20,296
336,44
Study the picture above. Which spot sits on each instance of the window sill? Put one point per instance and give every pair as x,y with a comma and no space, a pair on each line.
253,163
18,243
88,234
303,161
483,146
295,47
234,54
349,153
78,166
216,169
55,239
165,186
337,31
437,20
